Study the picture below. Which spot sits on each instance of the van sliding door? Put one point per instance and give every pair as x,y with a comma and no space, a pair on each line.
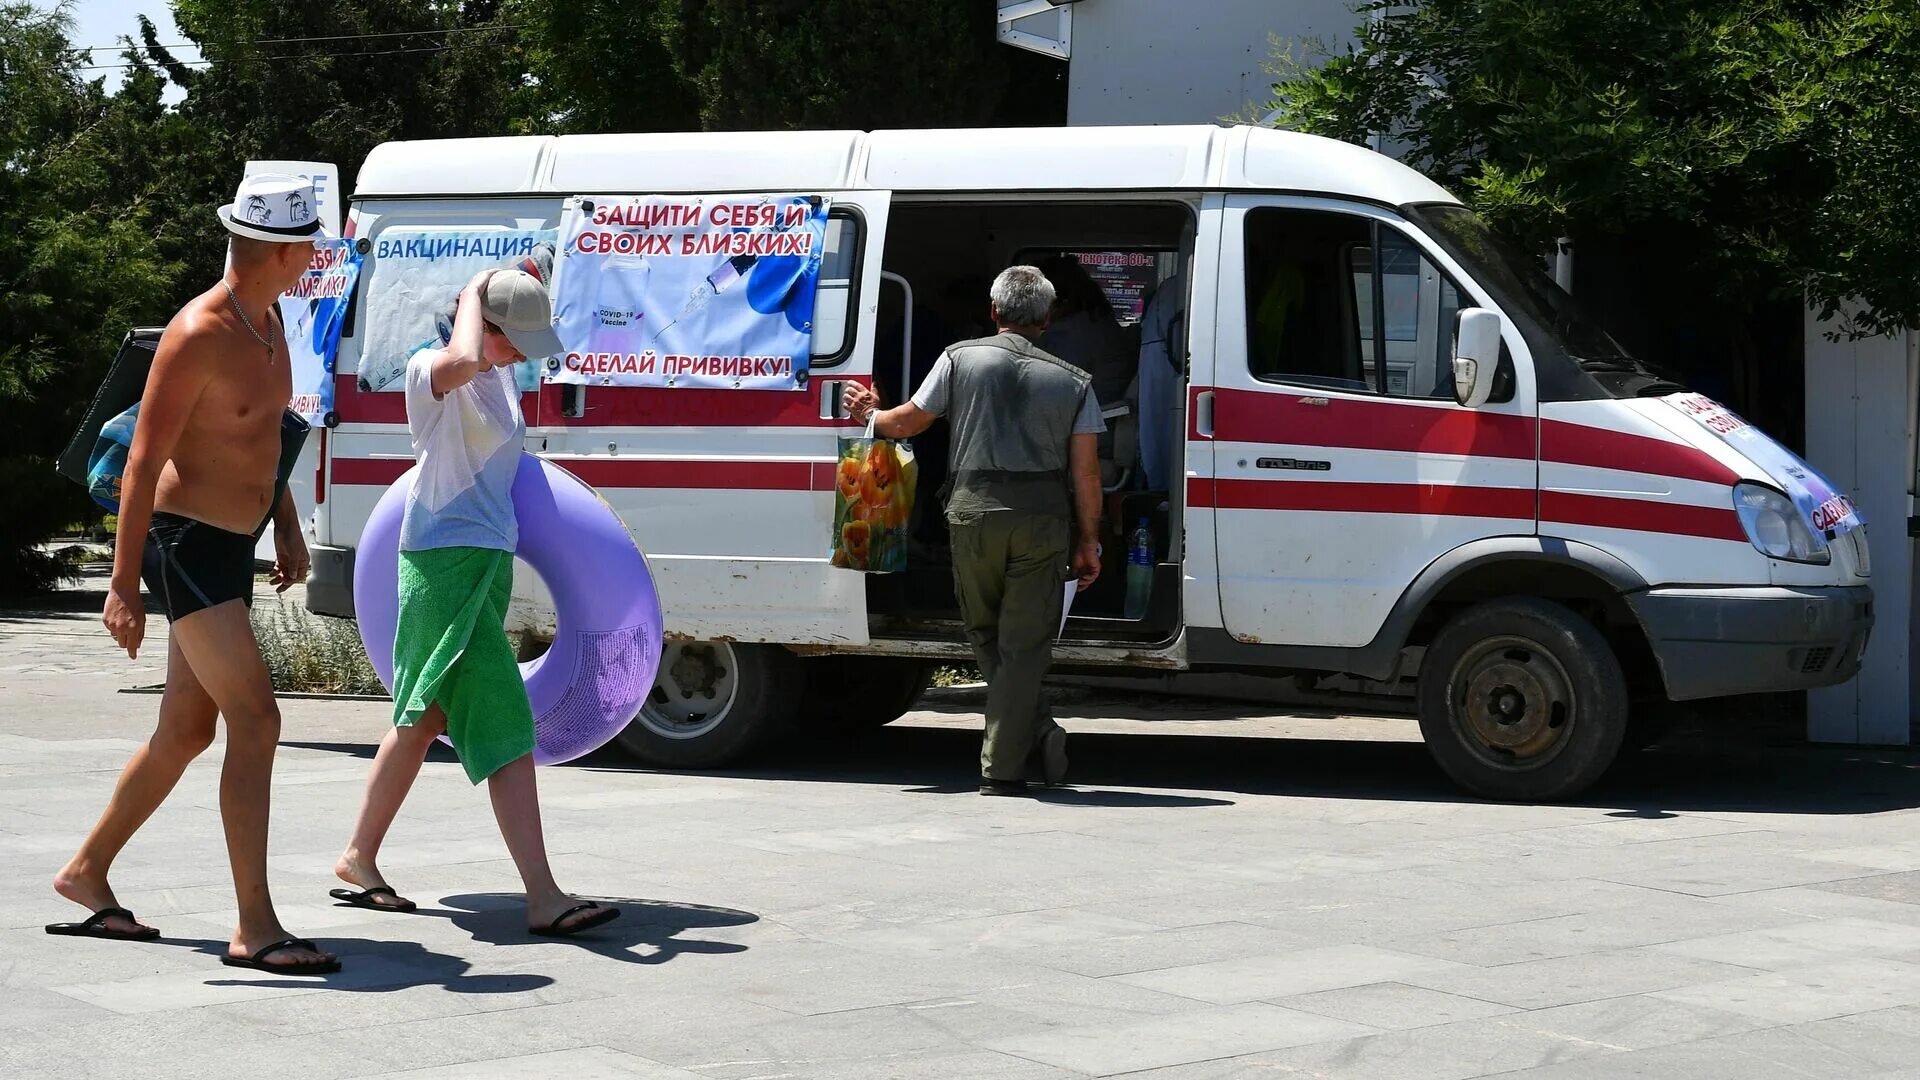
730,492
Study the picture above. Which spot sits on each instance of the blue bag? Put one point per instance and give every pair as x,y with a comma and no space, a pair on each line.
108,461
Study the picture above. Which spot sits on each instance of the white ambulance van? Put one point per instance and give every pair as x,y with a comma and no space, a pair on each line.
1398,452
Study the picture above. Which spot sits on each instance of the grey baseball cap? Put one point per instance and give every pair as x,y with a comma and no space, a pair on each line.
517,303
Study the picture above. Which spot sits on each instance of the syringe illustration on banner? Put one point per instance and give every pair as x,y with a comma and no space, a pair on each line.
723,278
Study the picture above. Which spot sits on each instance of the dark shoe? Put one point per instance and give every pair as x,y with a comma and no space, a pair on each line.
990,786
595,915
259,962
96,926
378,898
1053,757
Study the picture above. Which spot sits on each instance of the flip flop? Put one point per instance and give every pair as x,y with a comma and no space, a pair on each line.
601,916
96,926
366,898
258,961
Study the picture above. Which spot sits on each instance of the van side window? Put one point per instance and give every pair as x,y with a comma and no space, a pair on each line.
833,300
1332,295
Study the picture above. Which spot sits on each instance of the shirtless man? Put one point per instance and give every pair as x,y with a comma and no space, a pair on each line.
199,486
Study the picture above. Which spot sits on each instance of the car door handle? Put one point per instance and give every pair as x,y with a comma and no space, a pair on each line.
832,403
1203,413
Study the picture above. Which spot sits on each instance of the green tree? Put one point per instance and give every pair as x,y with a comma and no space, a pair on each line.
602,65
1777,139
78,267
670,65
323,83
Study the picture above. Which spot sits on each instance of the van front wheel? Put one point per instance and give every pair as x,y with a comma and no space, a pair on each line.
1522,699
713,702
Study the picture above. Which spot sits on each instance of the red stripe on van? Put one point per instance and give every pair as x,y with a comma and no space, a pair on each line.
701,475
390,406
1636,515
1283,417
368,472
1576,444
649,407
615,473
1424,499
1287,418
1641,515
624,406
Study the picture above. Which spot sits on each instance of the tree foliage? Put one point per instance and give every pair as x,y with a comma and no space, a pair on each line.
1784,133
107,197
78,267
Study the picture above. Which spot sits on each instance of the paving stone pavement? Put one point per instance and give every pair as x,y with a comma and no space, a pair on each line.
1222,895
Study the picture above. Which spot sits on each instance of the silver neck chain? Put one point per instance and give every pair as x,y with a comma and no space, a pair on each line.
246,322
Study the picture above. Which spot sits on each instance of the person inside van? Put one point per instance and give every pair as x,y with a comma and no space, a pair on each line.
1023,507
1162,373
453,669
1084,331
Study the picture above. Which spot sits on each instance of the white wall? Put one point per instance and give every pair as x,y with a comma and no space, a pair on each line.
1185,61
1859,396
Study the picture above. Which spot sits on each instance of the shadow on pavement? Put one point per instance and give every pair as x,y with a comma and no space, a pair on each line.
439,751
1694,772
500,919
1720,766
374,967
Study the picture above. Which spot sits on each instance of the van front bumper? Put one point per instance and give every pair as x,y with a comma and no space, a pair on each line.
330,583
1722,642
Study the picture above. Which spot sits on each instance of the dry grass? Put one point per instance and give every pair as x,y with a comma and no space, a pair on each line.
309,654
956,676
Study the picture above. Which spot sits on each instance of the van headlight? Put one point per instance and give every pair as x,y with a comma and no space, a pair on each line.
1775,526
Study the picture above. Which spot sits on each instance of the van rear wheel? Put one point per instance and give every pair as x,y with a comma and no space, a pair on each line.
713,702
1522,699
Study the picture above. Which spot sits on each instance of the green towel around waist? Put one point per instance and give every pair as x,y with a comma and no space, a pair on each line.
451,648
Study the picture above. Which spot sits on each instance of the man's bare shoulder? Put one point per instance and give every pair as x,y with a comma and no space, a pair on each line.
194,335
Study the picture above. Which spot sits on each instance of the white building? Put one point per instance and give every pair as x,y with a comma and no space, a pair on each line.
1197,61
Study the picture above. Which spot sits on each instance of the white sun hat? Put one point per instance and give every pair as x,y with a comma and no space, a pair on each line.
276,208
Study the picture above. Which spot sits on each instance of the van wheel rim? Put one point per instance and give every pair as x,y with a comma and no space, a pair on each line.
694,690
1512,702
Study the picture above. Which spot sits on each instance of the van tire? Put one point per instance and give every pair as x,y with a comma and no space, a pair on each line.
714,702
1523,700
854,695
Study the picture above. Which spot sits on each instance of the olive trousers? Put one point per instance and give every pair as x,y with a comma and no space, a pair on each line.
1009,574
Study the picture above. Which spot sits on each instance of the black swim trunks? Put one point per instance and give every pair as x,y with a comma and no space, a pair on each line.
190,565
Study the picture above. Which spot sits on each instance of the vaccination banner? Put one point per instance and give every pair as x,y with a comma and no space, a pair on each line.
313,312
706,291
1828,511
415,277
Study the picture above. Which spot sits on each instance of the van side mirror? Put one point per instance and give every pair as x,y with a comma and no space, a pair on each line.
1476,356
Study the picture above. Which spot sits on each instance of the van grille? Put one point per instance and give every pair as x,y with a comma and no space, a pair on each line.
1817,660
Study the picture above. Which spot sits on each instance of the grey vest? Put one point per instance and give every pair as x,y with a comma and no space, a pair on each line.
1012,408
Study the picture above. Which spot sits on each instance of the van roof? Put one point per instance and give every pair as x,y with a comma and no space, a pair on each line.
953,160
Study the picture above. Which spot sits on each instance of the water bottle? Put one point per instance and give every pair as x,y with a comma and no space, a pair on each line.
1139,571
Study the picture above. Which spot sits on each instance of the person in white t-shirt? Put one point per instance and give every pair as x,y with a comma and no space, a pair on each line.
453,669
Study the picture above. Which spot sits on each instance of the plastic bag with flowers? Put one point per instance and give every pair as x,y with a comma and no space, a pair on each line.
873,493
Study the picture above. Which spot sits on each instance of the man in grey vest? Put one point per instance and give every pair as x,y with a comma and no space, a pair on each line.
1023,507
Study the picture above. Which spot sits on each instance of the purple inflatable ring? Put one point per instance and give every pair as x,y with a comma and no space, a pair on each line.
606,651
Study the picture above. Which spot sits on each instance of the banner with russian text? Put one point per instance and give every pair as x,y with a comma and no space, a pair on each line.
312,313
415,276
707,291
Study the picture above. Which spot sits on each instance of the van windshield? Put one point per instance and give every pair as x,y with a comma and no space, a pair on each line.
1526,293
